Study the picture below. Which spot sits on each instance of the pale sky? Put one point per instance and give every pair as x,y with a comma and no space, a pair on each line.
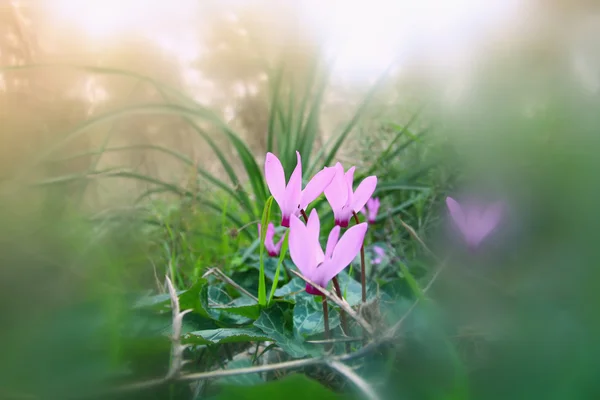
364,37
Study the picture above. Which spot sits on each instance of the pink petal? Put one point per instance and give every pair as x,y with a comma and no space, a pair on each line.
489,220
346,250
316,186
269,244
300,250
373,206
275,178
337,191
457,215
379,251
293,190
363,192
332,241
350,182
313,225
314,230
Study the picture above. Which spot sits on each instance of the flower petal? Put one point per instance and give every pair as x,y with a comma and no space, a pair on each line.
275,178
457,215
346,250
313,227
301,250
270,235
337,191
293,190
489,220
316,186
332,241
350,182
363,192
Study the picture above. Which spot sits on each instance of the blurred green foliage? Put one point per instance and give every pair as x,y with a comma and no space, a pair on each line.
84,306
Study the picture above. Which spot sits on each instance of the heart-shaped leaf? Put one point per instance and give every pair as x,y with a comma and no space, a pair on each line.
308,317
272,321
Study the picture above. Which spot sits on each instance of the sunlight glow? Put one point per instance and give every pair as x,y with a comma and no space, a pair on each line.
363,37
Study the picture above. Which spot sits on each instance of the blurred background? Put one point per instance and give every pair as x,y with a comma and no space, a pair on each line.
133,136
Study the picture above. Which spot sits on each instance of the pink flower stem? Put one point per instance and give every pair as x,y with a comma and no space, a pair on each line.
362,265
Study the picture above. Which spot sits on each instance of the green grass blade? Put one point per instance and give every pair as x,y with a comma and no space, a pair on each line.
353,121
282,254
387,153
262,286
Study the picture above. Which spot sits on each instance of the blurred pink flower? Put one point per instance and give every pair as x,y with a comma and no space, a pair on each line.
379,254
307,254
272,248
342,199
371,209
291,198
475,223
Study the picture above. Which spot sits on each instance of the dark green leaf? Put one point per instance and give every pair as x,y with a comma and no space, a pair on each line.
272,321
225,335
295,286
308,316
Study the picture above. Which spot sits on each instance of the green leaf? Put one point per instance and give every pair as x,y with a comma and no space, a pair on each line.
223,308
272,321
262,287
353,290
157,302
295,286
251,311
292,387
225,335
242,379
284,249
196,298
308,316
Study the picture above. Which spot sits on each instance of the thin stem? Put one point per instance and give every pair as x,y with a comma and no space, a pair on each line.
353,377
326,321
304,214
343,304
363,283
343,319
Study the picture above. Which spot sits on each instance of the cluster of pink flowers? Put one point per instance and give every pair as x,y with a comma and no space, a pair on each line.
474,222
305,249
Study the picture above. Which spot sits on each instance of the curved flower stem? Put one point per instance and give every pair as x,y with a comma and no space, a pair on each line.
338,291
326,320
363,283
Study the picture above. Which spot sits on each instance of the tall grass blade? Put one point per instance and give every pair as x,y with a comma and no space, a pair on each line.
282,254
262,287
354,120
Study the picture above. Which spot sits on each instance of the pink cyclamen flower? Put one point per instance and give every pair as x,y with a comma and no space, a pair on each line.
272,248
291,198
307,254
342,199
379,254
475,223
371,209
